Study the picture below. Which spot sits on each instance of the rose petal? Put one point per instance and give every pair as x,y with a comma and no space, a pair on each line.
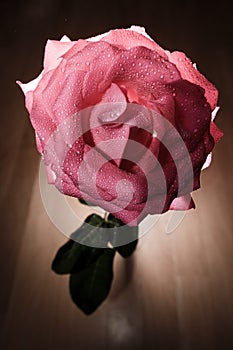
188,72
27,90
193,114
130,38
207,162
214,113
183,203
53,52
103,117
113,104
65,39
215,132
50,175
140,30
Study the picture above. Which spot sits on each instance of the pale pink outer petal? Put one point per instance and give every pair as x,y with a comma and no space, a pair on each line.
182,203
50,175
97,37
54,50
65,39
207,162
138,29
130,38
31,86
27,90
38,143
214,113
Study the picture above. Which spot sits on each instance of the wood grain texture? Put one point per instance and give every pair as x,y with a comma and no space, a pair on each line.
176,291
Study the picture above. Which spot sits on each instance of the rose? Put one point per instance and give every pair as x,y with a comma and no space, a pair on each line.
121,93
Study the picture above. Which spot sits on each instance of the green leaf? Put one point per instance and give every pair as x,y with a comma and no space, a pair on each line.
94,220
67,257
130,234
82,201
90,287
73,256
91,269
92,232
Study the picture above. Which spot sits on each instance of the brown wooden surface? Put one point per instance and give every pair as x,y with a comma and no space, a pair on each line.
176,292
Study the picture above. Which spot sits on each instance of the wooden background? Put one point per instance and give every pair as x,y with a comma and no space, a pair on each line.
176,292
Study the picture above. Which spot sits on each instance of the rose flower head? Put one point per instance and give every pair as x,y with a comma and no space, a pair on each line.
122,123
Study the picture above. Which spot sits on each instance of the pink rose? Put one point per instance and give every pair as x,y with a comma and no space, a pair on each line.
122,122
